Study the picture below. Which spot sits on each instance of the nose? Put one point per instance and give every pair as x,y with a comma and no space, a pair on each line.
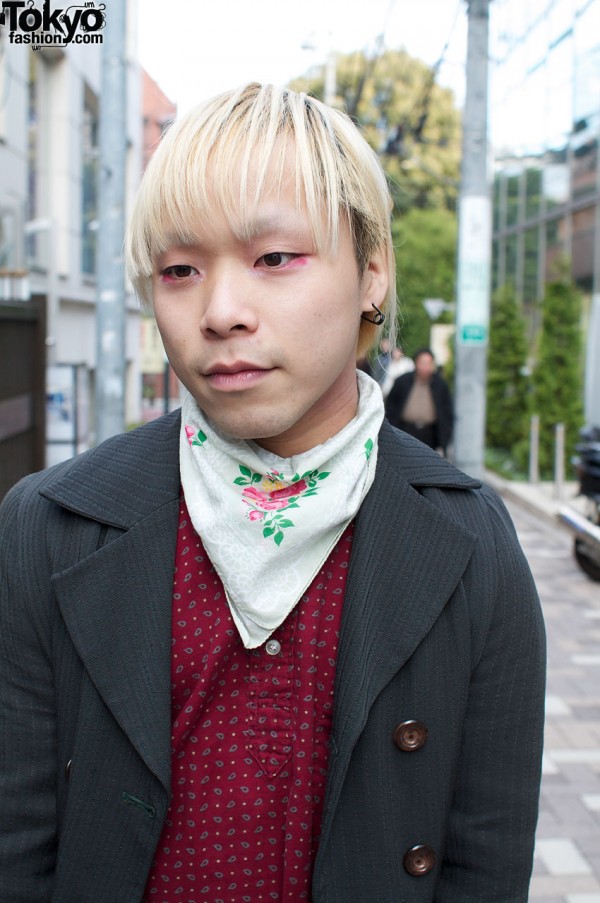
228,304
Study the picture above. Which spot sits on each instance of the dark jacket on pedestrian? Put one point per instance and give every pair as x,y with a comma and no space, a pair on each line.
442,400
436,742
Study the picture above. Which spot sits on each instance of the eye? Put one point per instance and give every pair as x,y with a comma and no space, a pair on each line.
179,271
277,259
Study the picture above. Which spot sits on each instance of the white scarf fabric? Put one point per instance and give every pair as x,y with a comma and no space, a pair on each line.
268,523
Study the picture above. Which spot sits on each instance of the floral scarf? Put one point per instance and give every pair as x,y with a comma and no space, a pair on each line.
268,523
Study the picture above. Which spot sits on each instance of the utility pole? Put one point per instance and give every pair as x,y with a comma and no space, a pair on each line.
330,76
110,291
474,252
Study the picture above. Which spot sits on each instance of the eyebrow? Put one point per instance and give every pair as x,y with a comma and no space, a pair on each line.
249,230
273,222
286,221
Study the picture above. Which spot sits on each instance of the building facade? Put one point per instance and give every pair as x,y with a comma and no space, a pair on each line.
160,386
49,158
545,126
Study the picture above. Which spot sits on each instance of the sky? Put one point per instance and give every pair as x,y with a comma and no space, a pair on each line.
197,48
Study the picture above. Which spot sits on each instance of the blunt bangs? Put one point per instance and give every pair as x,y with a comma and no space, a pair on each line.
231,150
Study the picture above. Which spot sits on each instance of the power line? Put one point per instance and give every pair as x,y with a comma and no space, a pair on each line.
370,63
420,113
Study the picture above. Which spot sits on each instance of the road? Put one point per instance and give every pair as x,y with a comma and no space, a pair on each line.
567,859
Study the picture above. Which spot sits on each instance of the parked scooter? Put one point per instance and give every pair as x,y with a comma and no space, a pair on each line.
587,528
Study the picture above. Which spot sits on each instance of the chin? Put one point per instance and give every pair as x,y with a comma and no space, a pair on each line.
252,428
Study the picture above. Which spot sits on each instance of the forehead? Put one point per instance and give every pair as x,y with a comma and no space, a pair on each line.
266,196
281,223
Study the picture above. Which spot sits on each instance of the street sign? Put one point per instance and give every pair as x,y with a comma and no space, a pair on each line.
472,334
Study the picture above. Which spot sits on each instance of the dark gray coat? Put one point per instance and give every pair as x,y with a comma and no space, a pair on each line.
441,624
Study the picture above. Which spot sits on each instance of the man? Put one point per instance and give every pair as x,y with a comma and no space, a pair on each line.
268,648
420,403
398,366
381,363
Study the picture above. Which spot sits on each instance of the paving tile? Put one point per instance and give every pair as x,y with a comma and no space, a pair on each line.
556,705
577,756
567,861
549,766
591,801
561,857
545,886
571,733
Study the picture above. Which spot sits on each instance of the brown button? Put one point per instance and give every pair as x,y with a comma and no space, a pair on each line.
68,769
410,736
419,860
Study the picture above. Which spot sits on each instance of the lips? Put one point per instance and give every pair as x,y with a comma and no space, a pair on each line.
237,367
236,376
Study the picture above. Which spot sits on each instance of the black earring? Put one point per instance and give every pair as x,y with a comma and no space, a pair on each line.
378,317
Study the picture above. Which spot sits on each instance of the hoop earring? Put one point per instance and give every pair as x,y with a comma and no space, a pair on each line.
378,317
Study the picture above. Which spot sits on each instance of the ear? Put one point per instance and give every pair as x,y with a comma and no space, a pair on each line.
375,281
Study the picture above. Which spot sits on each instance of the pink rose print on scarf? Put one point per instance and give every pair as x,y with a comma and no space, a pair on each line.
276,494
255,515
275,499
195,437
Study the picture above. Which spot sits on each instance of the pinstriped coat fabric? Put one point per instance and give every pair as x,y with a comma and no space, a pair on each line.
441,624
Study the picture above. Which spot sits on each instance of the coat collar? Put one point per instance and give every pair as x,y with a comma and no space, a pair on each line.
124,479
119,483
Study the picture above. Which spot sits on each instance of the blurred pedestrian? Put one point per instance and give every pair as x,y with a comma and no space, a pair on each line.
420,403
380,364
399,364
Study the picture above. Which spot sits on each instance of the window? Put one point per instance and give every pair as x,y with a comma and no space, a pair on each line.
583,247
556,178
513,194
89,186
512,250
4,83
556,246
533,191
530,267
33,240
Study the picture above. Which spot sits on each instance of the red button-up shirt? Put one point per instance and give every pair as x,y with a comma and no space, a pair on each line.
249,740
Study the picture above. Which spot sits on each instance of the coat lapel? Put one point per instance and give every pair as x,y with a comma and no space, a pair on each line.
117,607
116,603
407,559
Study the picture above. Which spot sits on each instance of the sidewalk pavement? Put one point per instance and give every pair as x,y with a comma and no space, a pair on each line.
539,498
567,853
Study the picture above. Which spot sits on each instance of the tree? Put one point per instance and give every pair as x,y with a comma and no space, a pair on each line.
557,378
425,248
507,384
407,118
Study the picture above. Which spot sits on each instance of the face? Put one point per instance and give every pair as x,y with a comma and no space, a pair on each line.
424,366
263,332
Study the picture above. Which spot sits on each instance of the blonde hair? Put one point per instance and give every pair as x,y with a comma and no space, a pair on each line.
233,147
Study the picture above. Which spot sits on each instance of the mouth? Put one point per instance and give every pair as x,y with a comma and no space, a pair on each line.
236,367
237,375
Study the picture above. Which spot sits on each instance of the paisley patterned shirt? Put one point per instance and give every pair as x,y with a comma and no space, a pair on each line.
250,739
